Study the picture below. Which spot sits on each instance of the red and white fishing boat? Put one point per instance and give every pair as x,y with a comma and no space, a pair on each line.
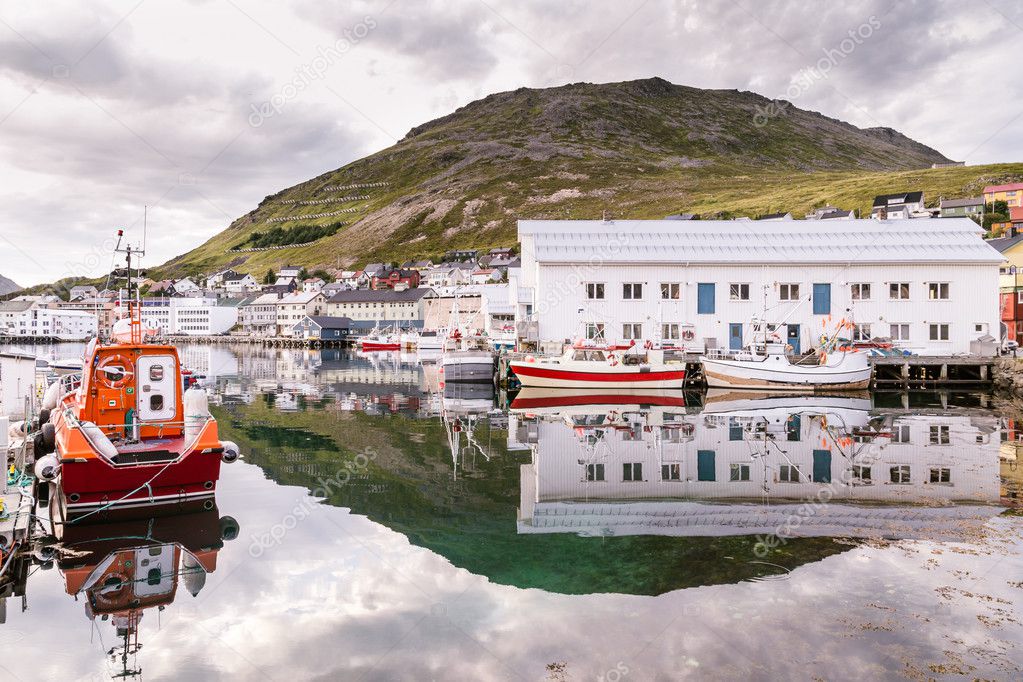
125,433
586,365
378,340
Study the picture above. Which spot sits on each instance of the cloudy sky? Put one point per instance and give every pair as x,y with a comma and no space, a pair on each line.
199,109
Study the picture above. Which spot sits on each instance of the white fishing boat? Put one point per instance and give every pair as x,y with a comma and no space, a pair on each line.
467,358
585,365
767,363
431,340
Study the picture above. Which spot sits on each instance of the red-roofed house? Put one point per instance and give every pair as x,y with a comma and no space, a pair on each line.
395,279
1012,194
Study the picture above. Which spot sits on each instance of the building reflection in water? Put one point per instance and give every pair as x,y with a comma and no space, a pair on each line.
801,465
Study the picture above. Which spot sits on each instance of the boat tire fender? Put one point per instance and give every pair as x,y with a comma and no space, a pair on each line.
231,451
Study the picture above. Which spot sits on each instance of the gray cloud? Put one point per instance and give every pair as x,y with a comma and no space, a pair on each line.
103,109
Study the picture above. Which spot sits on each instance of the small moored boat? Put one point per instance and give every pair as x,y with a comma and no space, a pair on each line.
591,366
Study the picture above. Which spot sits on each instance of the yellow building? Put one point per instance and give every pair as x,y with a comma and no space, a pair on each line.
1012,194
1012,249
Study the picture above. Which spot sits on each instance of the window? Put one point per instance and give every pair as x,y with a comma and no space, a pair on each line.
671,290
671,472
595,330
156,373
900,474
633,330
861,474
939,332
738,292
595,291
788,473
632,291
669,332
738,472
937,291
156,402
899,332
860,291
941,475
632,471
898,291
594,472
788,292
940,434
861,332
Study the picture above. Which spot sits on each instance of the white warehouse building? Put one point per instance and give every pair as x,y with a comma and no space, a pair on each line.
930,286
189,316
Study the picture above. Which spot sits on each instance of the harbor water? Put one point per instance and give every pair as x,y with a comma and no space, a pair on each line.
384,526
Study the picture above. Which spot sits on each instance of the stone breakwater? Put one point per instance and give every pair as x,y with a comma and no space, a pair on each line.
1007,376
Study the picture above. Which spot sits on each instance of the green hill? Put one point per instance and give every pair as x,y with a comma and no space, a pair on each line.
637,149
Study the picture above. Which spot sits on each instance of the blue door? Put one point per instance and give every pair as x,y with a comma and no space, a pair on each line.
735,336
705,298
793,338
822,466
705,465
822,299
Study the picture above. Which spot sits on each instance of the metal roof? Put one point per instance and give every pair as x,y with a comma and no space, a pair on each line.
725,241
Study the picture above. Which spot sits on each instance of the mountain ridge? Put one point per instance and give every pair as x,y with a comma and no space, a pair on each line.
638,149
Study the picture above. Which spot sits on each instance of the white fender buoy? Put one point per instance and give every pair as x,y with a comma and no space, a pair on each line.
51,396
197,412
98,440
231,451
194,575
18,429
46,468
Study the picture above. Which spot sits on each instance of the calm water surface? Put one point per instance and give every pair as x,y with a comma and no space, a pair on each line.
384,527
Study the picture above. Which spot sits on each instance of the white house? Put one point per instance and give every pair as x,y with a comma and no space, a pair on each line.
258,316
289,271
312,285
237,283
383,306
932,287
24,318
185,287
83,291
900,206
189,316
293,308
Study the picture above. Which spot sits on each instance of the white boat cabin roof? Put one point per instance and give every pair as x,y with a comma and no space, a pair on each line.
945,240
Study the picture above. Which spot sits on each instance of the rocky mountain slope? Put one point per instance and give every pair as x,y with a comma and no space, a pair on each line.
638,149
7,286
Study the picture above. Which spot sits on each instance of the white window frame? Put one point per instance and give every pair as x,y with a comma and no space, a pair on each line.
943,472
632,330
592,290
900,285
673,293
590,472
632,472
788,292
632,288
901,327
738,291
856,290
595,330
934,291
858,332
738,471
900,474
674,471
670,332
939,331
940,434
857,471
789,473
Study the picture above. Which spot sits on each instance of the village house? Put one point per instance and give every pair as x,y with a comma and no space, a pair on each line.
830,213
293,307
931,287
237,283
322,328
312,284
83,291
1011,194
962,208
290,271
383,307
447,274
190,315
484,276
257,316
774,217
185,287
395,279
899,206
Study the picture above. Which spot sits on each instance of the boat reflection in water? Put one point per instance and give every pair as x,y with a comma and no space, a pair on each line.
121,569
750,464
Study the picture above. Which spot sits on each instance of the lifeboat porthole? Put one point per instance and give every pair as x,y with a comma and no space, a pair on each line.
208,485
74,497
208,504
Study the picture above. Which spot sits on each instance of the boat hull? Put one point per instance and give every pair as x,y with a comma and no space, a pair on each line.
783,376
540,375
475,372
374,346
